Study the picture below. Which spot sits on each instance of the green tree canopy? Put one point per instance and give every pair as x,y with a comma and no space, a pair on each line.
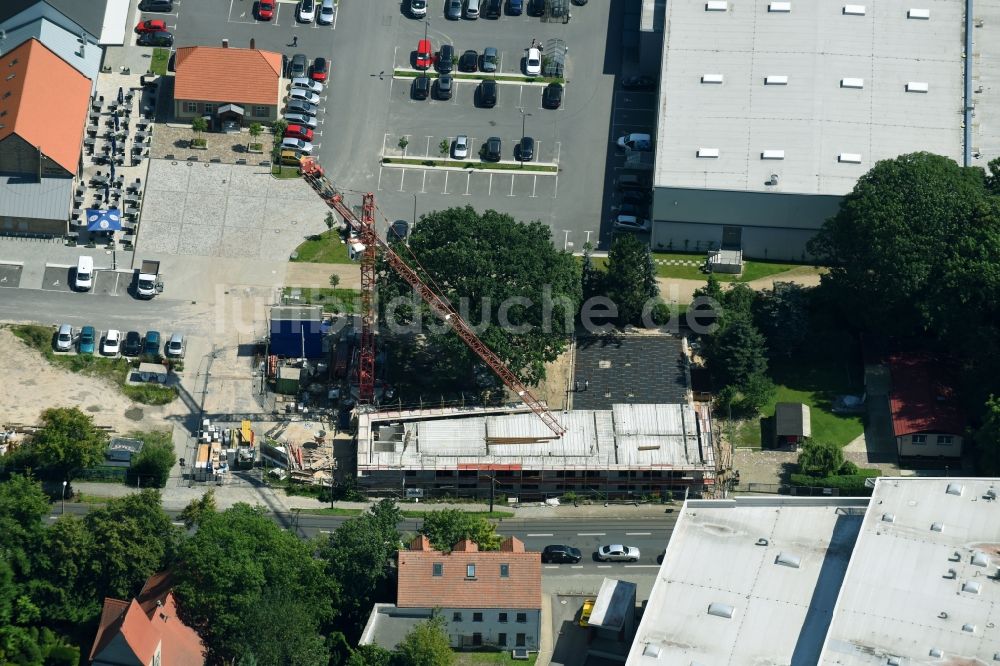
631,278
67,442
65,587
820,458
987,439
426,645
23,507
198,509
152,466
447,527
736,352
488,264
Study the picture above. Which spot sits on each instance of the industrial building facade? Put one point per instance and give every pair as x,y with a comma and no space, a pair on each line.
769,112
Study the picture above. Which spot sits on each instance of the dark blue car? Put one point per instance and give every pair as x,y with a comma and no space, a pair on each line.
515,7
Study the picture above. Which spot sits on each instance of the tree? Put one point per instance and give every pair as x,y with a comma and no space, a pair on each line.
198,509
447,527
782,316
631,278
592,279
987,439
488,265
403,143
280,630
67,443
820,459
152,466
330,220
360,554
370,655
23,507
444,147
334,280
65,585
736,352
255,131
426,645
199,124
233,566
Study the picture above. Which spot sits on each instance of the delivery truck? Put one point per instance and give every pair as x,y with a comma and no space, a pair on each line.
148,282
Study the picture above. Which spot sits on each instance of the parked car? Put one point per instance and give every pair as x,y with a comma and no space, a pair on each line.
133,344
156,5
630,223
552,96
297,144
445,59
453,9
490,59
304,95
418,8
618,553
469,62
639,83
515,7
155,39
64,338
493,9
491,149
460,147
297,66
533,62
636,141
151,345
320,70
586,612
307,11
87,341
399,230
472,9
298,132
423,59
445,86
526,149
301,119
561,555
308,84
112,342
488,93
265,10
421,87
634,182
83,278
327,12
536,7
298,106
633,209
175,346
290,157
154,25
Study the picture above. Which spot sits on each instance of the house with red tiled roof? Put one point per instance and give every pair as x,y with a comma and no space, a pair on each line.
230,86
927,419
486,598
146,631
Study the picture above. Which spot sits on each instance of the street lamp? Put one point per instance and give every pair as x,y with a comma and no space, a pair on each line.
427,23
523,118
65,483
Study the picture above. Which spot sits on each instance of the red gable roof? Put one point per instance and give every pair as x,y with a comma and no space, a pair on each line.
922,398
418,587
215,74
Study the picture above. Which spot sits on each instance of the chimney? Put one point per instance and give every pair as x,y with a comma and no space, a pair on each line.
253,43
225,43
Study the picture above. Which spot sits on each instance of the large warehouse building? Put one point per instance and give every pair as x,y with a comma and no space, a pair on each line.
769,112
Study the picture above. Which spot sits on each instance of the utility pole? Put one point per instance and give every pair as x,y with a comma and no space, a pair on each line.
65,483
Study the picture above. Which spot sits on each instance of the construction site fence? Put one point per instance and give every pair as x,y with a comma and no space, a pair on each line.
592,496
785,489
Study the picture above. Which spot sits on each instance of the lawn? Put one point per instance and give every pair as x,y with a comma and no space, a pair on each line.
284,171
326,248
113,370
158,64
752,269
347,301
491,659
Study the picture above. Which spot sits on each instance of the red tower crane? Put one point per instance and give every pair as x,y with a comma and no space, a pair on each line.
365,228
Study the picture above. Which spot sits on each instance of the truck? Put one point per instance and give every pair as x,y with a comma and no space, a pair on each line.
147,284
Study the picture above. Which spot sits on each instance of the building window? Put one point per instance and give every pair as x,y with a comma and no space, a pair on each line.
501,639
477,638
944,440
505,571
191,107
503,618
456,617
210,109
438,569
522,618
411,472
470,571
477,617
260,111
520,640
919,439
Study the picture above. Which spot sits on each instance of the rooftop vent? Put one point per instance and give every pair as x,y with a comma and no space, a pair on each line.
972,587
969,627
937,527
852,83
918,14
772,155
720,610
651,650
716,6
849,158
788,560
951,575
980,559
888,518
779,7
955,557
955,489
917,86
11,76
779,80
936,652
854,10
893,661
711,78
708,152
773,180
762,541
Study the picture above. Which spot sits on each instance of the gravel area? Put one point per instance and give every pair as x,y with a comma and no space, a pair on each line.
173,142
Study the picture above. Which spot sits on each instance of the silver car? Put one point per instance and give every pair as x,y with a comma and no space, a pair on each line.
453,9
326,13
297,144
304,95
460,148
301,119
490,59
175,346
64,338
306,83
618,553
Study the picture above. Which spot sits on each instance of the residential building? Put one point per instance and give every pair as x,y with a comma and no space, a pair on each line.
146,631
230,86
927,420
486,598
769,112
101,21
625,451
77,47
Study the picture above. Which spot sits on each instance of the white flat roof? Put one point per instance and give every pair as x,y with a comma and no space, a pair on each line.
779,613
812,118
899,598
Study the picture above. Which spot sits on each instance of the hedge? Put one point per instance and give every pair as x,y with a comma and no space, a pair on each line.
847,484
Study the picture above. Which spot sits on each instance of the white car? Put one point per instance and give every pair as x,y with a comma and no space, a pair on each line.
460,148
636,141
112,342
64,338
533,63
326,13
297,144
307,11
631,223
304,95
418,8
618,553
301,119
307,84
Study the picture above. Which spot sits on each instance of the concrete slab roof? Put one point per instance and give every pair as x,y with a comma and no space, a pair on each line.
810,92
633,369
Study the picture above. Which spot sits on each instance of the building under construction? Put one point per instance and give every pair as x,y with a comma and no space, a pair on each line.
628,451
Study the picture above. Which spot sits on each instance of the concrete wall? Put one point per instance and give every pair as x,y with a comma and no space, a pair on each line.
490,628
933,445
16,226
182,114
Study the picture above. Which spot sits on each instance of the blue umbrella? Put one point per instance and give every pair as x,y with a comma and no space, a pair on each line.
103,220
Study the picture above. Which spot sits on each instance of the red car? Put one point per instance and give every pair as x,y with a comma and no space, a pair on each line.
319,70
298,132
156,25
265,10
424,54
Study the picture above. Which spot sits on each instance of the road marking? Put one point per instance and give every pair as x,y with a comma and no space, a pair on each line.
423,184
326,531
53,517
379,188
427,148
638,533
490,192
642,566
384,137
445,191
520,95
178,523
402,180
512,187
576,566
468,179
538,535
592,534
558,151
603,566
534,185
555,192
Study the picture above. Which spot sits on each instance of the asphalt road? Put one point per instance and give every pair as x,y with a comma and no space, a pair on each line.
650,536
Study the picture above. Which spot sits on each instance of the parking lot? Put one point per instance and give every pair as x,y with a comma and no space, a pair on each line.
10,275
106,282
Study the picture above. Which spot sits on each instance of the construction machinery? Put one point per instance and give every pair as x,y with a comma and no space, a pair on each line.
365,229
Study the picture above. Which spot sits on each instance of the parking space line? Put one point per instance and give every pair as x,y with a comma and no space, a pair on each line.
423,185
468,179
379,186
520,95
490,193
445,190
512,178
402,180
534,185
427,148
555,192
558,151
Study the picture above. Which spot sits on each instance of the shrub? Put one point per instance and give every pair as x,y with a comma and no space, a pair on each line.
847,484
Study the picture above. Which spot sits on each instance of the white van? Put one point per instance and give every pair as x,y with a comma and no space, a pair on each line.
472,9
84,273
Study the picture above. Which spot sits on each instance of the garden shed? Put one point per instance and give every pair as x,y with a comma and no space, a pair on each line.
792,424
